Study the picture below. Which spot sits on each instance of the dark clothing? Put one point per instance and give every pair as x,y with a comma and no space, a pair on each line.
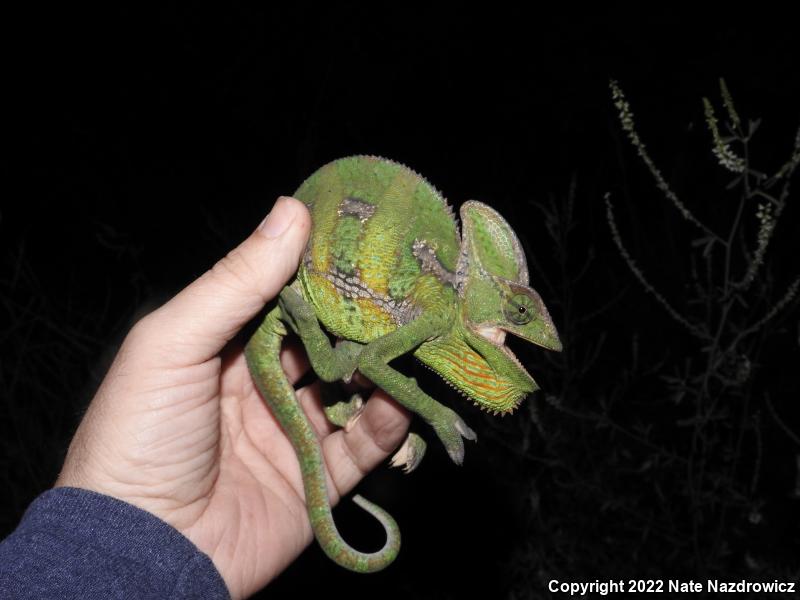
73,543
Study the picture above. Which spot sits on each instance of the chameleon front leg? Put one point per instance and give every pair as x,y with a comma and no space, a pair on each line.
263,359
373,363
333,363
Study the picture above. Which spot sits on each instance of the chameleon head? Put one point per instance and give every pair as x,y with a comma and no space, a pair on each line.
496,300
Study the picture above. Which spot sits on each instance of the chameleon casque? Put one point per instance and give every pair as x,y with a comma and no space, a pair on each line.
386,271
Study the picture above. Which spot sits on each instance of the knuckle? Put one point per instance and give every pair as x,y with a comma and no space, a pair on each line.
387,433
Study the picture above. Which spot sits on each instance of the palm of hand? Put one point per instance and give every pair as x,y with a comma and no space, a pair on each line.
177,428
205,454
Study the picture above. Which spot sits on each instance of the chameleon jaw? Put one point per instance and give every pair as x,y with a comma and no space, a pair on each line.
497,337
474,360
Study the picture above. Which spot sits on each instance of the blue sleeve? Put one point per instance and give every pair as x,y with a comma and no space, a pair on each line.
74,543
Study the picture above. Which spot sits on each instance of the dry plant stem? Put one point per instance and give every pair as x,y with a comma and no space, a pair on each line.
781,423
702,414
626,117
725,326
693,329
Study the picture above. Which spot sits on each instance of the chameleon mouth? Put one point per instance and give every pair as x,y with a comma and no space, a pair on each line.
494,334
497,337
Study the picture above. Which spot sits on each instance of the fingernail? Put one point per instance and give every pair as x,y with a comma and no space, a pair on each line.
277,221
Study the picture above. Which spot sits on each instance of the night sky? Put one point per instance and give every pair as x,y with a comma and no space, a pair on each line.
141,145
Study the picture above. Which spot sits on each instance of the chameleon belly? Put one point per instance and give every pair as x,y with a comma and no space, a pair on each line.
384,243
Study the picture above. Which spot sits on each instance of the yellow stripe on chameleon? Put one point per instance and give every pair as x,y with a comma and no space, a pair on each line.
385,231
377,321
318,290
344,320
322,193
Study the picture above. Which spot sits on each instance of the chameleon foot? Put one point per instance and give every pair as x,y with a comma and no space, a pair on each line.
451,429
410,453
345,413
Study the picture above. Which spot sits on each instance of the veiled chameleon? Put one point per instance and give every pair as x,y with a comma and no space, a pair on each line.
386,271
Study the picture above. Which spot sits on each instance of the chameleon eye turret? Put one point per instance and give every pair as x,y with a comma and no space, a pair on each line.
387,271
520,309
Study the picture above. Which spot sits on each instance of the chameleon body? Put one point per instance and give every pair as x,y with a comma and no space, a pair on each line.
387,272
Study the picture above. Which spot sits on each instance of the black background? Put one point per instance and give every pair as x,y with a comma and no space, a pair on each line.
142,144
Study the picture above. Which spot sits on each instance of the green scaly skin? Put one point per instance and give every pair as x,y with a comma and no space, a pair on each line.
386,271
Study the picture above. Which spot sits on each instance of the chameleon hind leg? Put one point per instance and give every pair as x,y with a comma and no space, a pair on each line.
263,359
332,363
329,363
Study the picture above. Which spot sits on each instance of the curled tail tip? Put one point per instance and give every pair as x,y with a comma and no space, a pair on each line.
385,519
376,511
364,503
386,555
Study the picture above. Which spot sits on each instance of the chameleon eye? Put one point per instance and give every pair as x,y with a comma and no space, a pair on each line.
519,309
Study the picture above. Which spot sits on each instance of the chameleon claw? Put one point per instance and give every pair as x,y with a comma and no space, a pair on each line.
452,431
410,453
345,414
466,431
351,422
456,452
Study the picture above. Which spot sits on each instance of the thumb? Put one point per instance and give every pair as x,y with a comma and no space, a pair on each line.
203,317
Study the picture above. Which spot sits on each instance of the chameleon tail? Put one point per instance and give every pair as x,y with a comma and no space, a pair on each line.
263,358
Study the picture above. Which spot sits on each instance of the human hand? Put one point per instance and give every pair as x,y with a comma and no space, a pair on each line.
178,429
